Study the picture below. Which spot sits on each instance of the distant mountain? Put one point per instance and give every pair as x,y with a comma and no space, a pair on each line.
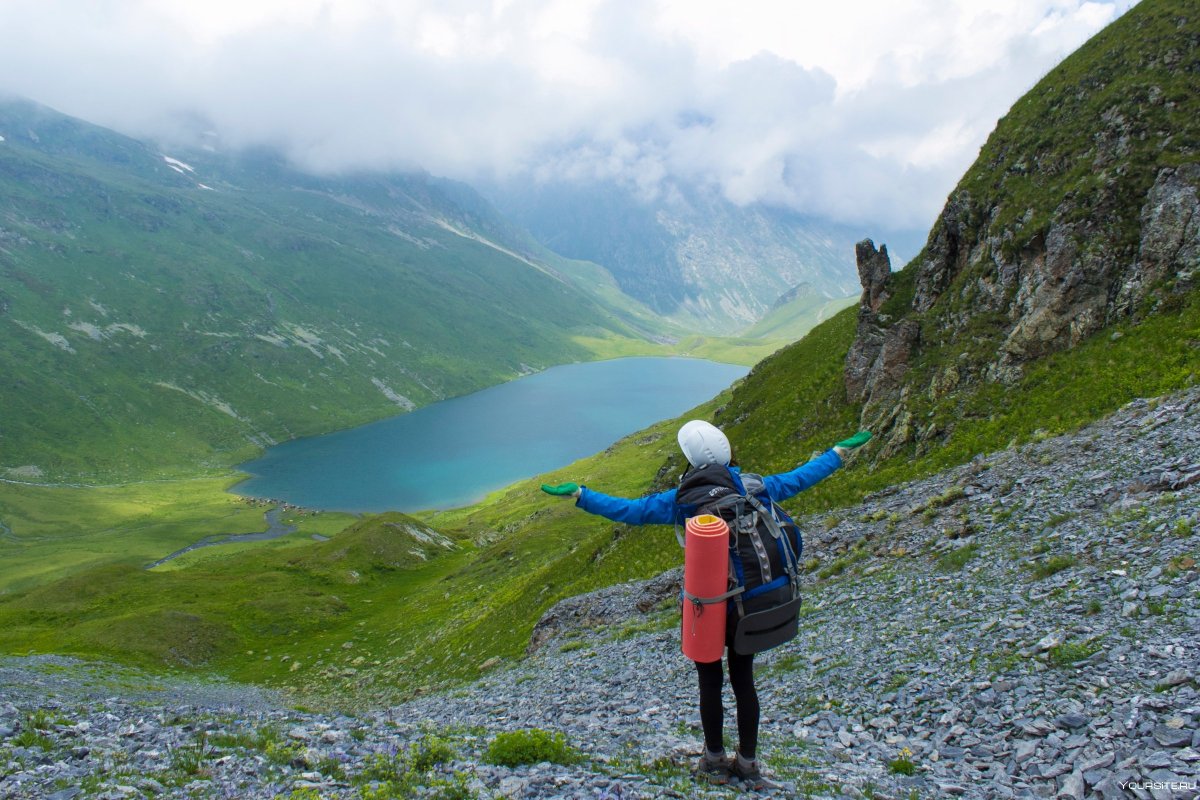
173,311
690,254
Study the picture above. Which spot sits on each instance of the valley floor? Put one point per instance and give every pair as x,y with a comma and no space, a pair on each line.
1026,625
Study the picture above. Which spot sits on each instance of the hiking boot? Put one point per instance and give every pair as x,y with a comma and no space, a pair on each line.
747,773
713,767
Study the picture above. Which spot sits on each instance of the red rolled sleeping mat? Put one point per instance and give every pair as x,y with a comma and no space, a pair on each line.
705,575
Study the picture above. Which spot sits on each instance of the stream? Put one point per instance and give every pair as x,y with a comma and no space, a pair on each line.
275,529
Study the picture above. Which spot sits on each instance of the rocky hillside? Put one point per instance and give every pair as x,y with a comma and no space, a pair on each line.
1082,212
1022,626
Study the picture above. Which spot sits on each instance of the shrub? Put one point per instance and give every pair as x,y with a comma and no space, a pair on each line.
429,751
530,746
957,559
1052,566
1068,653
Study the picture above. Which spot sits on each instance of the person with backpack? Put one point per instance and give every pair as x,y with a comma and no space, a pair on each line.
764,578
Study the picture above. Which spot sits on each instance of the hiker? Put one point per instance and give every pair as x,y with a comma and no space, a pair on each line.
712,464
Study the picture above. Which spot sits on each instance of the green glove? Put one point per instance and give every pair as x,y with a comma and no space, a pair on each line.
562,490
857,440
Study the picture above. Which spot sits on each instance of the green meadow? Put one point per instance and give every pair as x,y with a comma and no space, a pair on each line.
50,532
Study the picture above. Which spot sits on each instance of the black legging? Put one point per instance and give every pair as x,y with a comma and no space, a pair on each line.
712,712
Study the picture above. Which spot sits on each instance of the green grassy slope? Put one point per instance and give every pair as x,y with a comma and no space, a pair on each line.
154,327
1092,134
792,319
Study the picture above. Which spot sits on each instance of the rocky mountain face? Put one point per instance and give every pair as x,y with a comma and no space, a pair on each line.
689,253
1081,212
1023,626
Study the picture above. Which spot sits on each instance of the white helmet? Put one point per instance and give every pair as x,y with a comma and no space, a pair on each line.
702,443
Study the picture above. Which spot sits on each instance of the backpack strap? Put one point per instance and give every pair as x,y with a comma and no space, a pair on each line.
699,602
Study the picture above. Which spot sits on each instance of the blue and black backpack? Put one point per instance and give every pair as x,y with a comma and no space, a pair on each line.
764,554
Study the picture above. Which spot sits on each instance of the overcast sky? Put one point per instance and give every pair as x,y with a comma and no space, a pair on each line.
859,110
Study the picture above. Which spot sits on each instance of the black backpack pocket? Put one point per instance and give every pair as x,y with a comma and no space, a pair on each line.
763,630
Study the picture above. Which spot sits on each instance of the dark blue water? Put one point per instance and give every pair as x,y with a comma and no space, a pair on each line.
454,452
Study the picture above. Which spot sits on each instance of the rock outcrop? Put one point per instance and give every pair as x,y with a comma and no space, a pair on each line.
1082,212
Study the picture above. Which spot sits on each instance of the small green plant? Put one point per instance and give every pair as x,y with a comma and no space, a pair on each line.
1092,608
1052,566
530,746
271,743
429,751
230,740
903,764
192,760
453,788
40,719
1068,653
1182,528
1178,565
31,738
957,559
1058,519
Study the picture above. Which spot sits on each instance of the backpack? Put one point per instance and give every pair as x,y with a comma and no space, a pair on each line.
764,554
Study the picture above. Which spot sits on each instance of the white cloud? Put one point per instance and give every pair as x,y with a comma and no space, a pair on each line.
866,110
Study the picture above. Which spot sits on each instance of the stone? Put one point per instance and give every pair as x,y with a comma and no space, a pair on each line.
1073,787
1172,737
1072,721
1176,677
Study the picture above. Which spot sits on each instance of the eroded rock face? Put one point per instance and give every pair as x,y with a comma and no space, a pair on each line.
879,358
1170,245
1076,278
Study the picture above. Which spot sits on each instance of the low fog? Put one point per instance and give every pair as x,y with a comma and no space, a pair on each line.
864,113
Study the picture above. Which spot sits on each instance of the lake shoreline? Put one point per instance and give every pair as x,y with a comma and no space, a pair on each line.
455,452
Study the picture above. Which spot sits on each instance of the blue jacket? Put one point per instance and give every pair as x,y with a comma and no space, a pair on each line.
661,509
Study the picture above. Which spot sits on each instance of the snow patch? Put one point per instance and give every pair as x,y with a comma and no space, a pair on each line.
391,394
97,334
178,165
99,309
272,338
26,471
210,400
132,330
306,339
56,339
203,186
88,329
1,138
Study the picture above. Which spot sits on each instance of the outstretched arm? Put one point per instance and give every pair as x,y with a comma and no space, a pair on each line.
787,484
655,509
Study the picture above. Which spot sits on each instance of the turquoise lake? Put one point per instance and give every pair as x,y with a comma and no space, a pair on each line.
454,452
